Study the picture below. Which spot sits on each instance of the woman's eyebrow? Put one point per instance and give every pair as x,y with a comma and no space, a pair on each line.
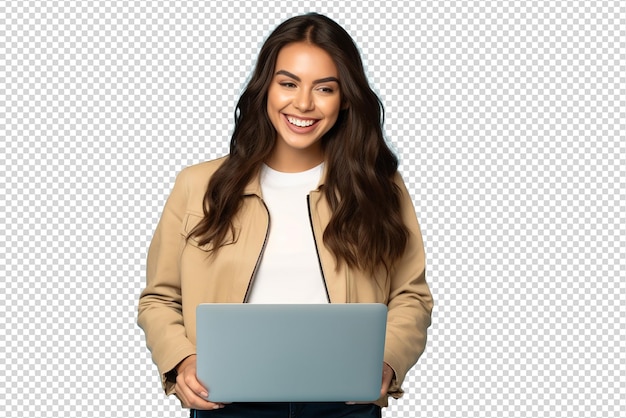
295,77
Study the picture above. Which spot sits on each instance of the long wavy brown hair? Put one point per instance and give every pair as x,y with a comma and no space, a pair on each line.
366,228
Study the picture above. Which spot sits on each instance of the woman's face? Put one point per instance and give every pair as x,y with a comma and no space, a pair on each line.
303,103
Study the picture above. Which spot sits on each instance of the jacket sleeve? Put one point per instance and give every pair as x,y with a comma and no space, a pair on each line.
160,303
410,301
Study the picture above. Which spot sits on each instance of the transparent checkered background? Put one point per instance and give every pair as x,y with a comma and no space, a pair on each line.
509,120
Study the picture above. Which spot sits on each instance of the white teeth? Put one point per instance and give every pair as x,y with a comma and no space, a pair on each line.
300,123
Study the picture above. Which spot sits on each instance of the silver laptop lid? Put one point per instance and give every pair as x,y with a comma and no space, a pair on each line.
291,353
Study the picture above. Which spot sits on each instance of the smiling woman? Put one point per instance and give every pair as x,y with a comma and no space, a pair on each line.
307,207
303,103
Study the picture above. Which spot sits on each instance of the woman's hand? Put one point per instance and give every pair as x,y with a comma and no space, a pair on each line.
388,374
189,389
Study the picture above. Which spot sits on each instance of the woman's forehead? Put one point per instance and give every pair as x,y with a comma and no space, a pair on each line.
305,60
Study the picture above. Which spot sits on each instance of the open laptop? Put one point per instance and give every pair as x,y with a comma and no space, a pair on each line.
291,353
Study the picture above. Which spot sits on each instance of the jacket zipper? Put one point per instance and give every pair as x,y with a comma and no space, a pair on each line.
258,260
317,251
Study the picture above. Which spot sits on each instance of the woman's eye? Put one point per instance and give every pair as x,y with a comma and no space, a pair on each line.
287,84
326,90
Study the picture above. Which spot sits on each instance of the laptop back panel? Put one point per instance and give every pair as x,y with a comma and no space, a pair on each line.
291,353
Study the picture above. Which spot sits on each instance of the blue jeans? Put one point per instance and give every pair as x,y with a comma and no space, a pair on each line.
291,410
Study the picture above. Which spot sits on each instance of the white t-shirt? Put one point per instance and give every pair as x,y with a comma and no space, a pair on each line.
289,271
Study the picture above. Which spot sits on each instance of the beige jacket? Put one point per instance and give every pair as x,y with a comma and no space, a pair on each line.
181,274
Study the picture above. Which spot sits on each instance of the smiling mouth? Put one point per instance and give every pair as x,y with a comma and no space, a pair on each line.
302,123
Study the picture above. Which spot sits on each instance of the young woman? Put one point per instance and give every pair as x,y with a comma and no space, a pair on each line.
308,154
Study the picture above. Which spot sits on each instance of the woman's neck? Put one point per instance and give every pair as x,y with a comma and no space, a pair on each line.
294,161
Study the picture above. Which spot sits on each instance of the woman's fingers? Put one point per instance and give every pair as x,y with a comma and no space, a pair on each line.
190,390
388,375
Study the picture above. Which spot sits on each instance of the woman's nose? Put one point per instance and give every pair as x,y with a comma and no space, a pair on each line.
303,101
